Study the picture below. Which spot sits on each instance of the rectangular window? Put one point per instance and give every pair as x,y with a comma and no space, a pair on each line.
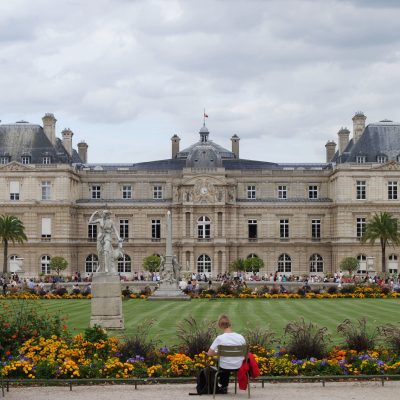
313,192
4,160
14,190
155,230
282,192
126,191
92,232
157,192
96,191
284,229
46,190
252,229
381,159
361,190
46,229
392,190
361,223
361,159
316,229
46,160
25,160
251,192
124,229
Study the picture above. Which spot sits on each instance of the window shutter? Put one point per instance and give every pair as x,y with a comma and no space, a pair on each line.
46,226
14,187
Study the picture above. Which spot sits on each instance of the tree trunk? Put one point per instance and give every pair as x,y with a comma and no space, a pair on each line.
383,245
5,254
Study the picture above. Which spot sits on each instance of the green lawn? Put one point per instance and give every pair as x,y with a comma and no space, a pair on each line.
244,313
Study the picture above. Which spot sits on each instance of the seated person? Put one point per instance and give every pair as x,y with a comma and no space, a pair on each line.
227,364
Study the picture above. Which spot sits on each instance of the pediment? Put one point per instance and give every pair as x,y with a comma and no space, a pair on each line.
389,166
15,166
200,180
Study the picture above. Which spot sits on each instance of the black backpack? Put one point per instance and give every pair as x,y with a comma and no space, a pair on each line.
205,381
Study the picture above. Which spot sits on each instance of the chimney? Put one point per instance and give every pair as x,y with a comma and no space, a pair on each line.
67,140
82,151
49,127
235,145
358,125
330,150
344,135
175,145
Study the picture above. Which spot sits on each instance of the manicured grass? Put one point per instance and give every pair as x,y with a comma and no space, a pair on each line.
244,313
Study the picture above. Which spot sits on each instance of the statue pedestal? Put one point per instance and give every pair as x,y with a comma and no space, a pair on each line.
168,291
106,301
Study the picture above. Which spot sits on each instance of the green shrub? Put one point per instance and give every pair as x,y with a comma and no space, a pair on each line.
348,289
21,320
95,334
390,334
260,337
306,340
357,336
196,336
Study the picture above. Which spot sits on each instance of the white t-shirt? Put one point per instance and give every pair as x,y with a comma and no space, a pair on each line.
229,339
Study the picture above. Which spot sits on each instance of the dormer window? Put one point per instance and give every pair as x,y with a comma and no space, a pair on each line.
4,160
361,159
46,160
26,159
381,159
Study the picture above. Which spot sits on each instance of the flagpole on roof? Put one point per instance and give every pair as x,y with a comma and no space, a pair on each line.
204,117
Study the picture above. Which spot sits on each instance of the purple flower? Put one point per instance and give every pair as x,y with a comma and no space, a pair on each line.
164,350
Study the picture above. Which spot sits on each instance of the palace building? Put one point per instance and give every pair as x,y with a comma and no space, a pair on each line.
299,218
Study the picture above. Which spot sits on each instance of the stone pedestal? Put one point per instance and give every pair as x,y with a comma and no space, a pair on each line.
168,291
106,301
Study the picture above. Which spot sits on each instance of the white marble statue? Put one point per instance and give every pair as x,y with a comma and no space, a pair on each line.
108,256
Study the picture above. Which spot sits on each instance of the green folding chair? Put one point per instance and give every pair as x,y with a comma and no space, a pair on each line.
232,351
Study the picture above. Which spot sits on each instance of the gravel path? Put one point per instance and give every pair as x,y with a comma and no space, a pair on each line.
279,391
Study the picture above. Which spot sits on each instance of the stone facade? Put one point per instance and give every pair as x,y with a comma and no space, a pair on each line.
299,218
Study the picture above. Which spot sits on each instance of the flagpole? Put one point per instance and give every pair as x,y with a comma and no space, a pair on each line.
204,117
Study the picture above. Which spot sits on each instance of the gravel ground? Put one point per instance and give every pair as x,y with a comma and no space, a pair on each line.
279,391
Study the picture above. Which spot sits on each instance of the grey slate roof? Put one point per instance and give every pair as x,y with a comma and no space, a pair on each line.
21,139
380,138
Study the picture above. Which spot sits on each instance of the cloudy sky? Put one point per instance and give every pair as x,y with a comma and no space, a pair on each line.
126,75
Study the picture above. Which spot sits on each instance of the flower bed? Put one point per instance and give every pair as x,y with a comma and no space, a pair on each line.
347,292
76,358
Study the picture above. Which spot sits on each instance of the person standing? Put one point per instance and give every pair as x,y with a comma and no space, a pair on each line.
227,364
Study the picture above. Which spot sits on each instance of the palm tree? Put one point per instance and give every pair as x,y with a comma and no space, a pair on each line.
382,226
11,230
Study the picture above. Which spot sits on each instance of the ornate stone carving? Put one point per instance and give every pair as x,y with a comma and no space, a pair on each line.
389,166
204,191
15,166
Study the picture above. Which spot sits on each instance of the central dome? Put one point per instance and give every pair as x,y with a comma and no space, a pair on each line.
205,153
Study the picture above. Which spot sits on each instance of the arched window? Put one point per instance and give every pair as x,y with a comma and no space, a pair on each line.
45,264
204,264
91,263
284,263
393,264
362,264
124,264
316,263
252,255
203,228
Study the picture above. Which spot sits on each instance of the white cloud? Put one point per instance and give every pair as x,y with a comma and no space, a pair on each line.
126,75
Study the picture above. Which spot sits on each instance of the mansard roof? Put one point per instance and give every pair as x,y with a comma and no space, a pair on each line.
380,138
25,139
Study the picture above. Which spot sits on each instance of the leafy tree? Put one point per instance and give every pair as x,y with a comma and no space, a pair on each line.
349,264
152,263
253,264
238,265
11,230
58,264
382,227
